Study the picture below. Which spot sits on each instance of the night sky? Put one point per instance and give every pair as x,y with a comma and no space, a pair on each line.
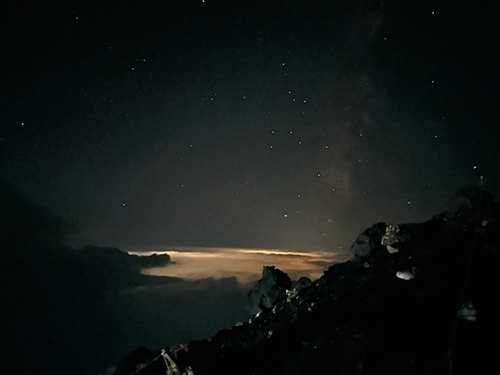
248,124
244,124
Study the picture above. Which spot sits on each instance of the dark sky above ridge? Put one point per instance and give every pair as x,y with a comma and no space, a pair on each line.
215,124
275,124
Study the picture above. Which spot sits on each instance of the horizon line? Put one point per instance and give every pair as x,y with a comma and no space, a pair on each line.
249,250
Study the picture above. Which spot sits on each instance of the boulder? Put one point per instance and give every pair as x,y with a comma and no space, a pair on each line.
367,242
270,289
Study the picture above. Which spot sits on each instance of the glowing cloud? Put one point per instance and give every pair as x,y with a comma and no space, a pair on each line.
245,264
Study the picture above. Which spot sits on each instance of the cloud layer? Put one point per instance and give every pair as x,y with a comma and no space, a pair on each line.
244,264
67,310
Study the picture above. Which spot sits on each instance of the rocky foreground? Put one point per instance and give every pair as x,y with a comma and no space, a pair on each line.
413,299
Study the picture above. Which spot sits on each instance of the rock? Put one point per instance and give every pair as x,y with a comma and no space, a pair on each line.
467,312
392,250
269,289
405,275
301,283
367,242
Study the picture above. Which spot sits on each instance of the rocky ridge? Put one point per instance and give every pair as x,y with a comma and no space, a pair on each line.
413,299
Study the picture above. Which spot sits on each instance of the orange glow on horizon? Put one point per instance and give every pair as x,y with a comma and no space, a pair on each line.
245,264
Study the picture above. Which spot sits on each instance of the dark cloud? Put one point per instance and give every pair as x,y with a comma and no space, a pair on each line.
169,314
67,310
23,221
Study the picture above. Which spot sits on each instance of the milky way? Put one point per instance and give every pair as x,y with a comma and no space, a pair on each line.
261,125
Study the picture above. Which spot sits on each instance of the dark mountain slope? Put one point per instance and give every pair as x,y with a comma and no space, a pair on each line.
413,299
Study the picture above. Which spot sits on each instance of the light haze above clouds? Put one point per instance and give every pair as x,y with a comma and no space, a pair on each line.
244,264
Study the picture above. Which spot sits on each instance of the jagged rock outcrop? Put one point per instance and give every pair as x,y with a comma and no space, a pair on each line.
367,242
269,290
414,299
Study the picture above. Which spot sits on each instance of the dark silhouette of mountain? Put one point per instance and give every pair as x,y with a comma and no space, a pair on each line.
413,299
55,299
